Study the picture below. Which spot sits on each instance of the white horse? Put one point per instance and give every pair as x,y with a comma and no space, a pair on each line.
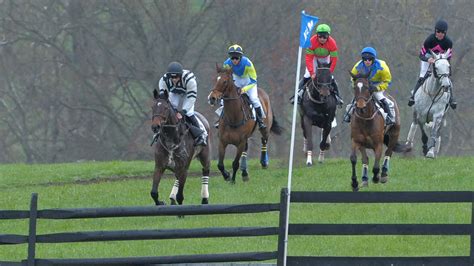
431,104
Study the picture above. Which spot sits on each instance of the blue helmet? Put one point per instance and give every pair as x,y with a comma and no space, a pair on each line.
369,52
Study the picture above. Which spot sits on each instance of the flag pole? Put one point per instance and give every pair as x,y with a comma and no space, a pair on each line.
307,24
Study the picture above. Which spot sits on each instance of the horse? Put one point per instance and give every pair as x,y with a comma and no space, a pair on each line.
368,132
174,150
431,105
318,108
236,124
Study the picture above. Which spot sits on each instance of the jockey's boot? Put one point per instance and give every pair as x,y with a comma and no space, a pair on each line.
452,102
386,108
339,100
259,117
197,132
420,81
300,91
347,115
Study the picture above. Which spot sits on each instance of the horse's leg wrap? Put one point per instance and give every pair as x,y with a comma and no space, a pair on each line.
174,190
205,187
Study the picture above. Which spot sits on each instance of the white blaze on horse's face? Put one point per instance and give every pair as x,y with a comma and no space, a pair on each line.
218,78
158,104
360,85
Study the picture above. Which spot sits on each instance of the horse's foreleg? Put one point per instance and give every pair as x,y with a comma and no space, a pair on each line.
220,164
156,182
324,144
424,140
365,166
174,191
353,158
243,163
206,165
308,135
322,152
385,168
181,176
376,168
235,163
264,154
411,134
434,136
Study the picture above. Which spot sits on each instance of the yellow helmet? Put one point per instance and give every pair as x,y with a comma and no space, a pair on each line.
235,49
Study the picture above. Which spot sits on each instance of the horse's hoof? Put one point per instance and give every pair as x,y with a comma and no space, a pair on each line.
245,177
264,165
384,179
365,183
173,202
205,201
320,161
309,164
430,154
355,189
375,180
180,216
158,203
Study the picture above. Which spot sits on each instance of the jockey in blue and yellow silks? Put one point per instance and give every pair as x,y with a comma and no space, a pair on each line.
380,78
245,77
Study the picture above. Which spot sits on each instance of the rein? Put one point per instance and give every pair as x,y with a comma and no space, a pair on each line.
238,97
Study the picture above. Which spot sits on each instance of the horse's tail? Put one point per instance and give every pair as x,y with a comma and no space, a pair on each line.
276,128
402,147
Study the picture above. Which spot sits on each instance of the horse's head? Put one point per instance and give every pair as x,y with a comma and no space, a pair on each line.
162,111
323,81
362,89
442,69
224,86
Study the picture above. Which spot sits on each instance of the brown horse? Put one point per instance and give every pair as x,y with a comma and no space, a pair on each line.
236,124
368,132
174,150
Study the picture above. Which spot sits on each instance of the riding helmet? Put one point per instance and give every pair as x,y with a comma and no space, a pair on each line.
369,52
175,69
235,50
441,25
323,28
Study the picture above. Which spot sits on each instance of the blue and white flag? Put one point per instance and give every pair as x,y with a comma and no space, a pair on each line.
307,24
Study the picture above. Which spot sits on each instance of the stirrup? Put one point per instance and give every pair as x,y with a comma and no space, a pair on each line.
200,141
411,101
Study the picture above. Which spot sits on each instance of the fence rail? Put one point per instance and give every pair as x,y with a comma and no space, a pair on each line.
294,229
383,229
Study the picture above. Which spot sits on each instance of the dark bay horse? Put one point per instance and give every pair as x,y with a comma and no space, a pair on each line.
174,149
431,102
368,132
318,108
236,124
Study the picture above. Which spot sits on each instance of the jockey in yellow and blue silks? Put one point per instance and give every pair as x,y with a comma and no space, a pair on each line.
245,77
380,78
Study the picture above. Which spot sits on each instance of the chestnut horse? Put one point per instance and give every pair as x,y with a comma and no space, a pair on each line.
368,132
174,150
236,124
318,108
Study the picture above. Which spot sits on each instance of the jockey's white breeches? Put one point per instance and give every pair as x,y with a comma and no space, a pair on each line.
379,96
175,98
252,92
424,66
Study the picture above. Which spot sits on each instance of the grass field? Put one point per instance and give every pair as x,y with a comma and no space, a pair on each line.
106,184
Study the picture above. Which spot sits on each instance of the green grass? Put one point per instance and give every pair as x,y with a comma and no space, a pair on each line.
107,184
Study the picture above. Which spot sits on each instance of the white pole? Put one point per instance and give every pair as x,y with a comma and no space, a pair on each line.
292,146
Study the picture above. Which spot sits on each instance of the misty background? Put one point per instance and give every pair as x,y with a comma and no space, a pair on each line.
76,77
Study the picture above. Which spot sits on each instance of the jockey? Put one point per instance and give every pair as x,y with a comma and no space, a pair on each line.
438,42
182,87
323,49
380,78
245,78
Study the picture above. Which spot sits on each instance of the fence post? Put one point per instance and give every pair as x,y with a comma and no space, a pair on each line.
32,230
281,235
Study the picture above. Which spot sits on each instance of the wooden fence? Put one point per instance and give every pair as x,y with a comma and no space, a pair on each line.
294,229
